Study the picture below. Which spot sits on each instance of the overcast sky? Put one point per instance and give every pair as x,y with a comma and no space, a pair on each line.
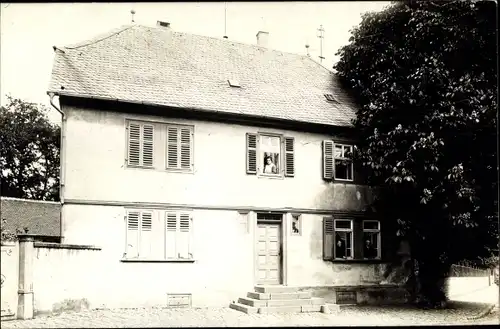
28,31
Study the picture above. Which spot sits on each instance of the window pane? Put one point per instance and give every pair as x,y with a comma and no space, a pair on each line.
343,224
347,151
343,169
338,151
271,163
343,245
370,245
370,225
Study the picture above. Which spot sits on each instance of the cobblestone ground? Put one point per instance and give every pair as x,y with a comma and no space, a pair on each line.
224,317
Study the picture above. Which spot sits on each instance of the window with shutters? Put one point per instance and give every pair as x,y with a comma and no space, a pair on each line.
179,147
349,239
140,144
270,155
158,235
337,161
178,232
139,234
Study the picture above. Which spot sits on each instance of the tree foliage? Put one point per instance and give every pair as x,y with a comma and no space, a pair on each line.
425,75
29,152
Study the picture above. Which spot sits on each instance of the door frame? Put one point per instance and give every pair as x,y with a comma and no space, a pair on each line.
283,254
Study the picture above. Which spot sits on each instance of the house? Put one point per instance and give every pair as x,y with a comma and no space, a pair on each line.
39,219
203,167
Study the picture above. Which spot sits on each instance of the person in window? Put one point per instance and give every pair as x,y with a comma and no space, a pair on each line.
339,247
269,166
369,251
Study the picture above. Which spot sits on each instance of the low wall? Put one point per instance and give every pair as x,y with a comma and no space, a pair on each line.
361,294
472,289
65,277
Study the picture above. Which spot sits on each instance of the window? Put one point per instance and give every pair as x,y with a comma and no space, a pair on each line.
337,161
343,239
139,237
296,224
371,239
347,239
179,147
140,144
178,232
158,235
265,154
174,144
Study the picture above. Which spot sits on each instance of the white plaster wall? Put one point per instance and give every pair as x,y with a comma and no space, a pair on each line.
222,271
95,147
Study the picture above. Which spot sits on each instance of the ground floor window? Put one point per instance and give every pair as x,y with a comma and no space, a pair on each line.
158,234
345,238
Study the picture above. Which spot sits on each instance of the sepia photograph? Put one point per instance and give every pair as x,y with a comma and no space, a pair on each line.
249,164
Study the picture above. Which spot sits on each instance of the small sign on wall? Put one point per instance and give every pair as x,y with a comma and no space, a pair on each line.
296,226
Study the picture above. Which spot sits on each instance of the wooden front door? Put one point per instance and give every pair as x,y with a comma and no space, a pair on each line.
268,253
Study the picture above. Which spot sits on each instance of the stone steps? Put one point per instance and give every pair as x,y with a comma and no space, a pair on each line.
278,299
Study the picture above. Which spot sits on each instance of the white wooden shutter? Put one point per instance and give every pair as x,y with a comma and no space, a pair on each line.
327,159
147,145
183,236
172,147
251,147
146,235
328,238
171,236
289,157
134,144
132,237
185,139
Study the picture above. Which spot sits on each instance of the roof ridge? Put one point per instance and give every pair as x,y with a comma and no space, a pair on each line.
28,200
101,37
227,40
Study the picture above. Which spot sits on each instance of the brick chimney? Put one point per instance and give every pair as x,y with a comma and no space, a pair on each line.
262,38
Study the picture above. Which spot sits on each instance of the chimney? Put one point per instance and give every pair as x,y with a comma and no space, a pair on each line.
262,38
165,25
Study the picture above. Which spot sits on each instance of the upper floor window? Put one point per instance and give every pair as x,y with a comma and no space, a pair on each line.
337,161
270,155
371,239
179,147
149,143
140,144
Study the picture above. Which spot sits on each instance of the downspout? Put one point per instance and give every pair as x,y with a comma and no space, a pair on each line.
61,149
62,158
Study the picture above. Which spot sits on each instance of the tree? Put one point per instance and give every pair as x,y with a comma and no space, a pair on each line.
29,152
425,76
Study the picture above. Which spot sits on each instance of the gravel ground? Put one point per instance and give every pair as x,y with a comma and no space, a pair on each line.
223,317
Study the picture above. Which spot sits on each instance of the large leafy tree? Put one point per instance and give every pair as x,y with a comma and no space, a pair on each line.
29,152
425,75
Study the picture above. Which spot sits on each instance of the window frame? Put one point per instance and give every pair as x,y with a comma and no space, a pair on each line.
141,124
260,158
379,237
342,158
349,230
356,226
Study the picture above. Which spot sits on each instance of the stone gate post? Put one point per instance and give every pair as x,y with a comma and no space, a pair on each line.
25,305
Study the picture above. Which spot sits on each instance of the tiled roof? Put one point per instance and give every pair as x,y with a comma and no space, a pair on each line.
154,65
40,217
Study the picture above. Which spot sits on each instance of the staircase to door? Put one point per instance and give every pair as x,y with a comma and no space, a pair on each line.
278,299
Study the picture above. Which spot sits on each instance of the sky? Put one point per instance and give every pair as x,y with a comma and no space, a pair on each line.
29,30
